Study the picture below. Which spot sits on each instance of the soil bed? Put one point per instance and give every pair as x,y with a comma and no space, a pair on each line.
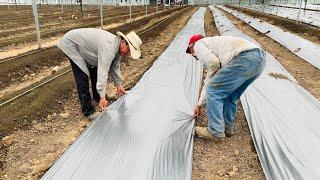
47,138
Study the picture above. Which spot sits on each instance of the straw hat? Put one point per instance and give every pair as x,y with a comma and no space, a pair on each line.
134,43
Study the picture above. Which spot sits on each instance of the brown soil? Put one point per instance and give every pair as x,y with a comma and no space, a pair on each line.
235,158
32,37
33,150
303,30
59,21
307,75
31,65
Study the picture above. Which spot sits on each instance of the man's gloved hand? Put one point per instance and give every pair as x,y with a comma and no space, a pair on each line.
197,111
121,91
103,103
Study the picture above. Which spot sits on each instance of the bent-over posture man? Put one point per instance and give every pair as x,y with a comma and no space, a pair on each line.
92,54
232,64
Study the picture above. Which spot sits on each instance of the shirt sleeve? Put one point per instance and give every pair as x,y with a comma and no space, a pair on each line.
105,57
115,70
202,98
211,63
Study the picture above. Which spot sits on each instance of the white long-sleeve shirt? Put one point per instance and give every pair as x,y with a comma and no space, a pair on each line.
218,51
96,47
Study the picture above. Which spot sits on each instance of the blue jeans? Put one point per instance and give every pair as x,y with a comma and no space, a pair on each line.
226,86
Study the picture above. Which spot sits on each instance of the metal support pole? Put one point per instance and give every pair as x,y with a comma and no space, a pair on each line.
299,10
305,6
145,2
278,7
156,6
130,11
36,20
62,6
101,15
164,4
9,5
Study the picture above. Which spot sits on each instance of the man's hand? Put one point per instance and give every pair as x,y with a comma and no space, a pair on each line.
103,103
197,111
121,91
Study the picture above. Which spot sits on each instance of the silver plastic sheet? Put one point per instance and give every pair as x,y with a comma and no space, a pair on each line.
148,133
307,16
303,48
284,118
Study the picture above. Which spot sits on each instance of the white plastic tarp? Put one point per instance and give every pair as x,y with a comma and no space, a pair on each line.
148,133
303,48
308,6
284,118
307,16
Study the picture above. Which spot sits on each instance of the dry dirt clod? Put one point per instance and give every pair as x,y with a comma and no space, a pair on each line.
65,115
7,141
40,168
220,173
236,152
31,140
233,172
234,168
43,165
219,178
49,117
55,69
25,168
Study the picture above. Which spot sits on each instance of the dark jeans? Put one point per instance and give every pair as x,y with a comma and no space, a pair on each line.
82,81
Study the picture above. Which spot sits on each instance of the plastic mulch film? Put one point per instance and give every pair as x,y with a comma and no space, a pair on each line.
283,118
148,133
307,16
303,48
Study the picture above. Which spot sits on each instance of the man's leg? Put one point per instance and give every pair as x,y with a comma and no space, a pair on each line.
230,105
255,64
93,78
219,88
224,83
82,82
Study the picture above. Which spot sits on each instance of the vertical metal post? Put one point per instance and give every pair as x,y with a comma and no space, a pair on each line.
145,1
62,6
156,6
101,14
305,6
299,10
9,5
169,4
278,7
130,11
35,14
164,4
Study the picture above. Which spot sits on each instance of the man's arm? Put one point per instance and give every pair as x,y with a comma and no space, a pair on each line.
105,58
116,75
212,64
115,70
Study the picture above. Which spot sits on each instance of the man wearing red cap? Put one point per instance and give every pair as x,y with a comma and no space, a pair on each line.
232,64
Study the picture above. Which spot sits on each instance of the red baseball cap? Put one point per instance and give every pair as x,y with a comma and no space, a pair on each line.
192,40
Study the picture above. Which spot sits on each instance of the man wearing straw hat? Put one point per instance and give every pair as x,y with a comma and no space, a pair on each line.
93,53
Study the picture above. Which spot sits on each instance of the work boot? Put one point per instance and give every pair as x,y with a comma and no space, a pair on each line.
202,132
229,132
94,116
